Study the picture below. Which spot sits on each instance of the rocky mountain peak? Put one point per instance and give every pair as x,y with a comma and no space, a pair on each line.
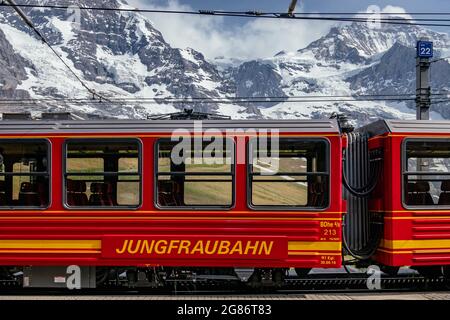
359,42
123,55
116,53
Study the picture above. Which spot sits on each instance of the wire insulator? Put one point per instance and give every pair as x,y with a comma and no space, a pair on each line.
254,13
206,12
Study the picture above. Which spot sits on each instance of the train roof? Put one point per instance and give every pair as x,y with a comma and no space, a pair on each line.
406,126
152,126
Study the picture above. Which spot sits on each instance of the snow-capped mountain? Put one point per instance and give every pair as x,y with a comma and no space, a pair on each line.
360,42
122,55
356,60
118,54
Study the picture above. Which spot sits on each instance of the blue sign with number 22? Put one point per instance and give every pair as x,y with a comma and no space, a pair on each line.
425,49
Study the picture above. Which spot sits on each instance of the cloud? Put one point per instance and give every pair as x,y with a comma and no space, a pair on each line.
248,39
387,12
392,10
216,36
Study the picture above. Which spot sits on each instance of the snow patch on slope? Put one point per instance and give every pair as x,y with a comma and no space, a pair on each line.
64,27
125,68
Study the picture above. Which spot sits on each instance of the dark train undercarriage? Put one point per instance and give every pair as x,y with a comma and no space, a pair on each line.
169,278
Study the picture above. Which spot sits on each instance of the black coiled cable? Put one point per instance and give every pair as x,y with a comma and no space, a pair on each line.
375,227
371,246
366,190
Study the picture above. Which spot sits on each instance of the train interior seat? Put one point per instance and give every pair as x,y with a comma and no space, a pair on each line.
108,194
70,192
76,193
32,194
80,193
168,194
3,201
100,194
419,194
444,198
411,189
316,194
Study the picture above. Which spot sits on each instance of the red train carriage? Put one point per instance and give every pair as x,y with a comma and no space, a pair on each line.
413,196
109,194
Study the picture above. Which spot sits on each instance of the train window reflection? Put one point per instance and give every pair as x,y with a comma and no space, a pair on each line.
102,173
24,173
427,172
198,176
293,173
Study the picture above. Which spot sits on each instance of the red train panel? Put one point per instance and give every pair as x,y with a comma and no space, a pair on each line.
418,234
149,236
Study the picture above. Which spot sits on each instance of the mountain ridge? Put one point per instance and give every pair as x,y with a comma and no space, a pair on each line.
123,55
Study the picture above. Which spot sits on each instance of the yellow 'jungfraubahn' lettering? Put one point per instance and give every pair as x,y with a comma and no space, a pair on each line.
251,247
224,247
184,245
160,247
212,250
237,248
199,247
267,249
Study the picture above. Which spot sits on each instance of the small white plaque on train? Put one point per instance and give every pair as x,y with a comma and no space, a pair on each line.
60,279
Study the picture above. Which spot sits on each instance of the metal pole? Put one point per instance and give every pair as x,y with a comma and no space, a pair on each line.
423,90
292,8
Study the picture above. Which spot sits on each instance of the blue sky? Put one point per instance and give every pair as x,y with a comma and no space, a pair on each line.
247,38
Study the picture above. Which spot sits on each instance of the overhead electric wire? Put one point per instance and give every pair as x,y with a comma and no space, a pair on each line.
436,98
273,97
37,101
235,99
259,13
244,99
440,59
208,101
444,93
266,98
221,101
44,40
184,104
254,14
353,13
441,101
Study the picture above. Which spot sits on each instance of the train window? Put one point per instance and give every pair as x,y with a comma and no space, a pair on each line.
197,175
294,173
426,172
102,173
24,173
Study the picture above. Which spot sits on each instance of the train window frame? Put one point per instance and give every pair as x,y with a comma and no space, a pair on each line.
195,207
49,145
288,208
404,172
100,140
